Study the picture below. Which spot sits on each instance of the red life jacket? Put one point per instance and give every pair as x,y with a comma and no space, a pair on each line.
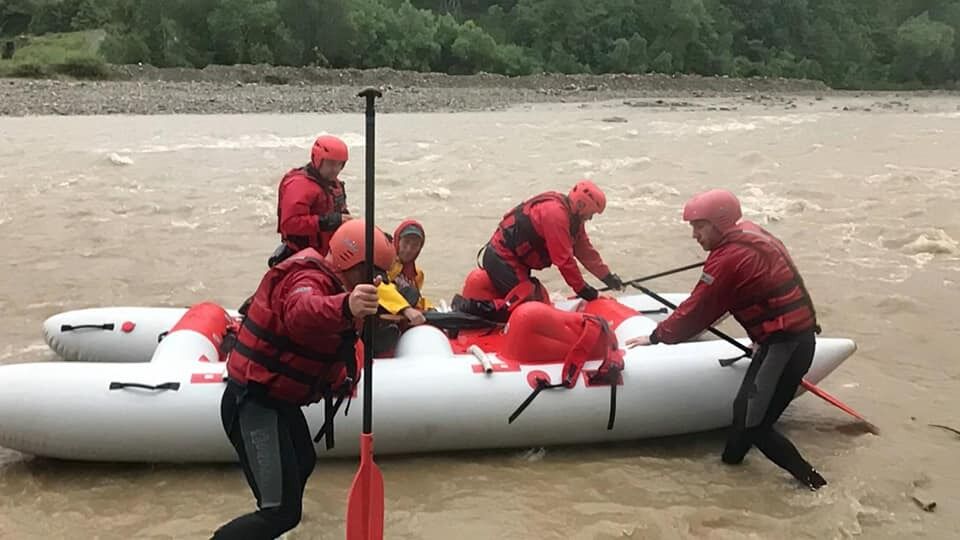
271,365
784,305
325,198
516,235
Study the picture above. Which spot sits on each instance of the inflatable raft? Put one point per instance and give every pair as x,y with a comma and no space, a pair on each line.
131,334
436,393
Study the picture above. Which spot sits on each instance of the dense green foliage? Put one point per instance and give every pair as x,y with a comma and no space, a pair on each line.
846,43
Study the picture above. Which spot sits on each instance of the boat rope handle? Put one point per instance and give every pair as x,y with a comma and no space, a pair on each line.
164,386
70,327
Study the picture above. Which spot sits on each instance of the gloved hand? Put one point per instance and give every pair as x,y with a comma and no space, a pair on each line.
613,281
588,293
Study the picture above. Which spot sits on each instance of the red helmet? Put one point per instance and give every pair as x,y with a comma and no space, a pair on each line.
718,206
347,247
328,147
587,199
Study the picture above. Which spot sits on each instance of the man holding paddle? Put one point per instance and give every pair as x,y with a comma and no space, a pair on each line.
750,274
296,346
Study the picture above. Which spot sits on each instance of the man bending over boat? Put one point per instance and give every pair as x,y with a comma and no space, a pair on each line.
545,230
312,202
750,274
295,346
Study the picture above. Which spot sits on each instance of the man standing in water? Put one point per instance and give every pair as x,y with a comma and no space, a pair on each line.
312,201
750,274
295,347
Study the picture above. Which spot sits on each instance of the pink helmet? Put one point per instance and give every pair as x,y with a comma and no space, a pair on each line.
718,206
328,147
347,247
587,199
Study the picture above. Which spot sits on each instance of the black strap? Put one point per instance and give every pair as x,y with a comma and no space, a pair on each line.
328,413
286,344
613,405
70,327
769,315
727,362
541,386
458,320
164,386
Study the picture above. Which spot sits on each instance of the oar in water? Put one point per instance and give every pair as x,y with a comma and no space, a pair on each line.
365,502
814,389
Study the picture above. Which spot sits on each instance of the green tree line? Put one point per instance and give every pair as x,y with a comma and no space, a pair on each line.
846,43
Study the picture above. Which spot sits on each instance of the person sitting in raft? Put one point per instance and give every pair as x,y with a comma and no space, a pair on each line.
401,293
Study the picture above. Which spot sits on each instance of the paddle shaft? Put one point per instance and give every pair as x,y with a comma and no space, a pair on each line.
365,501
370,321
814,389
657,275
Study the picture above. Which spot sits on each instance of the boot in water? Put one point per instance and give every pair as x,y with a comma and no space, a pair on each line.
813,480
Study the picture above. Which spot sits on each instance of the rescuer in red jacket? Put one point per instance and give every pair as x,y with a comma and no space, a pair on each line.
312,201
296,346
750,275
545,230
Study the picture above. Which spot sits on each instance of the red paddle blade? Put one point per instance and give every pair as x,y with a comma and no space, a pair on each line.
822,394
365,502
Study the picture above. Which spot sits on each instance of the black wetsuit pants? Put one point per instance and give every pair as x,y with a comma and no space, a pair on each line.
768,387
277,456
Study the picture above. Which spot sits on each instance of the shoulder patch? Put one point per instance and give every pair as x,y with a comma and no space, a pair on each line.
706,278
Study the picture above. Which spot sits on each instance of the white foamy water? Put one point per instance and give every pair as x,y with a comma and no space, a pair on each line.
240,142
869,213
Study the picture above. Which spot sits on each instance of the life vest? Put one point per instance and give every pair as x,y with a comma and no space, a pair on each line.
271,365
785,305
517,235
332,199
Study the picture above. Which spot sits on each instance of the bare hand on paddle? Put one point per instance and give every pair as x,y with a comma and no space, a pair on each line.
363,299
414,316
639,341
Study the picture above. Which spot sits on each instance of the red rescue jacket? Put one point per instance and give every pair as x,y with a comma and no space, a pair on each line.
309,210
751,275
297,341
543,230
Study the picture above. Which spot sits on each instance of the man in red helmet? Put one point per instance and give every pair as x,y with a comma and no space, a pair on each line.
545,230
295,346
750,275
312,202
